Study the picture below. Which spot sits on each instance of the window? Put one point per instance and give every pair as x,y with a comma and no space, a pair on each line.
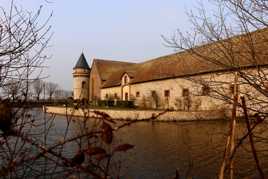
126,96
153,93
185,92
205,90
166,93
115,96
137,94
232,88
83,84
106,96
125,79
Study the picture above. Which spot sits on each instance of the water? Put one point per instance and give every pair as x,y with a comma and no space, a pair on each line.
193,148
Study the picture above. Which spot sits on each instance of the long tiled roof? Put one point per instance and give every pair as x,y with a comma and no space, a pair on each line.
108,67
187,63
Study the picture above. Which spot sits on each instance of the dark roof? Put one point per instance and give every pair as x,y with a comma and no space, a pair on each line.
187,63
82,62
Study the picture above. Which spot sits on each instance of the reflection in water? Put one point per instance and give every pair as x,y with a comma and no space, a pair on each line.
193,148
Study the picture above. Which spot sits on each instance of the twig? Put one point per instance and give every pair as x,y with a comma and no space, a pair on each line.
251,139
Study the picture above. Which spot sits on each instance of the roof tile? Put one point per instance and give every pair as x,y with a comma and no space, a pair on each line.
187,63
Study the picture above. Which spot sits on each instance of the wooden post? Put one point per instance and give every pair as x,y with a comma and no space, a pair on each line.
225,158
233,126
230,142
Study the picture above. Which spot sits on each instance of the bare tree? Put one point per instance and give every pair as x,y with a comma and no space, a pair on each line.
23,39
38,87
232,40
51,89
24,132
26,149
12,89
59,93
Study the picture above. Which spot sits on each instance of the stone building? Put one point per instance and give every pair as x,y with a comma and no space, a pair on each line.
178,81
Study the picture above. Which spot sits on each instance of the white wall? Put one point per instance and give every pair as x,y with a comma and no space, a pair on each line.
219,84
175,100
80,76
111,92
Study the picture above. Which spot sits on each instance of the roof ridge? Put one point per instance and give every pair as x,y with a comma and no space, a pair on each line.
185,63
106,60
161,57
206,44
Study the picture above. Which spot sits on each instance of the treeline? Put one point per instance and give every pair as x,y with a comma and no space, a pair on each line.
34,90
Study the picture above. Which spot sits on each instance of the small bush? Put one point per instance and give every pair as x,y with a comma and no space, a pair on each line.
117,104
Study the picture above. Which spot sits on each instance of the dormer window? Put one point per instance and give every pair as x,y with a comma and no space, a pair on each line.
125,79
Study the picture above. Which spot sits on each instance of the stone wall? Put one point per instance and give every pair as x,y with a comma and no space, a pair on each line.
141,114
220,87
111,92
175,100
95,83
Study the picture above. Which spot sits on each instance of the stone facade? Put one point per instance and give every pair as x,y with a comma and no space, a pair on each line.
177,93
182,81
95,83
186,94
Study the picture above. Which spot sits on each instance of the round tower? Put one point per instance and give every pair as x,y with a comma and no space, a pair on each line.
81,73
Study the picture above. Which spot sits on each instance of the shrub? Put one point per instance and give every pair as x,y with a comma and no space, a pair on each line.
118,104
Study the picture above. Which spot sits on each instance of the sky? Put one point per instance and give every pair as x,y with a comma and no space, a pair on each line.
125,30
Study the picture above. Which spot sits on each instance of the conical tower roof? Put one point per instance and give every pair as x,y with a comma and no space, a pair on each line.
82,62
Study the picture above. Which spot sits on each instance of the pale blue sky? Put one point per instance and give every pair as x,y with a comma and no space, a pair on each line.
127,30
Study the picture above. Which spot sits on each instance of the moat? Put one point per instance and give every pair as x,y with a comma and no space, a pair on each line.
193,148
